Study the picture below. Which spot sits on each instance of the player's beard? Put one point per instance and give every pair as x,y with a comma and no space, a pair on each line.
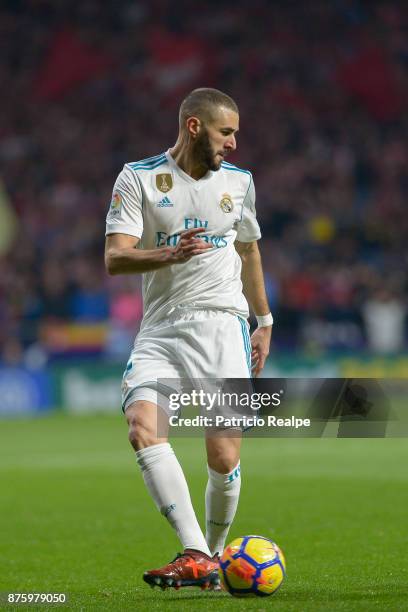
204,153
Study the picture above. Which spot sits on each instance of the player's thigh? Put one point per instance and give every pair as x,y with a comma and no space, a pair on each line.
223,449
148,424
150,380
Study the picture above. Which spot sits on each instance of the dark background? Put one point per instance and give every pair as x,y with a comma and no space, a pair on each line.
323,94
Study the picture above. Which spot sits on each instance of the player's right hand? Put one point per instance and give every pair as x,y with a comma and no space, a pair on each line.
189,245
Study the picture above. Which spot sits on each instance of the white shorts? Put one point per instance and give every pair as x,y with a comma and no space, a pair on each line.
190,344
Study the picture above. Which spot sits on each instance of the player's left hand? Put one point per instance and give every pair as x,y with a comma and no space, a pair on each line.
260,341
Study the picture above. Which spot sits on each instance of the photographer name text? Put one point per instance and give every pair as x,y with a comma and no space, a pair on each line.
242,421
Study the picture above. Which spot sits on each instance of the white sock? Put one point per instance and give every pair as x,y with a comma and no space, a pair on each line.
221,501
167,485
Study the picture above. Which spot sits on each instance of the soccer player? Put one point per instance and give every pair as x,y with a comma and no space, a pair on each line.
186,220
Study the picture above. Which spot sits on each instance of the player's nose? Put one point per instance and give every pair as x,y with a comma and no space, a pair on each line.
231,143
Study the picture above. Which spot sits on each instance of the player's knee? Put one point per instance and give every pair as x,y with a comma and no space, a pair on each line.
224,462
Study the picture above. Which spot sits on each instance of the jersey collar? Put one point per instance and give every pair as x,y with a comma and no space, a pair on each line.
183,174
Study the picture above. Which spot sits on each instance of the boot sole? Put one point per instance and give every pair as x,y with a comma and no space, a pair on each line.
209,582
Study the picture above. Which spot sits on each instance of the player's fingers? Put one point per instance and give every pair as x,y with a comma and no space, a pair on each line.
192,232
261,362
194,248
183,258
255,354
199,251
193,242
258,369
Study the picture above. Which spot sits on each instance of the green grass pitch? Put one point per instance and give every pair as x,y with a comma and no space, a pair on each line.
75,518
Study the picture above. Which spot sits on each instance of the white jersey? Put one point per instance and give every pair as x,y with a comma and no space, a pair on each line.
155,200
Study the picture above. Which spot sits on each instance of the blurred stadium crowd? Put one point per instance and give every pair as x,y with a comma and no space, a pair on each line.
323,93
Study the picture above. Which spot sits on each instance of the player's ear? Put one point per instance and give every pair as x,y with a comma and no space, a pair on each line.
193,126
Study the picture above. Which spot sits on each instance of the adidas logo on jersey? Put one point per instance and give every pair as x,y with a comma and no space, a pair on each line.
165,203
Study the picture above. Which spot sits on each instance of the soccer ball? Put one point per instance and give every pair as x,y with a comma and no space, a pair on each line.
252,566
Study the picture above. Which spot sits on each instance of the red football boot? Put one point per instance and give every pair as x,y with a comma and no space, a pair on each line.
192,568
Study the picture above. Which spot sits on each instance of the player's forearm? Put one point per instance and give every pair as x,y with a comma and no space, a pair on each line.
253,280
133,261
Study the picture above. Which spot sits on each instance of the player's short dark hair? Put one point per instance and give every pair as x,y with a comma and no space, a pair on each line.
203,102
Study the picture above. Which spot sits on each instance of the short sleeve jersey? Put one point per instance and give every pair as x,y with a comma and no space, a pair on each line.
155,200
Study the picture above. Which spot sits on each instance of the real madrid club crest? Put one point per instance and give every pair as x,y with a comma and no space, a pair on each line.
226,203
164,182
